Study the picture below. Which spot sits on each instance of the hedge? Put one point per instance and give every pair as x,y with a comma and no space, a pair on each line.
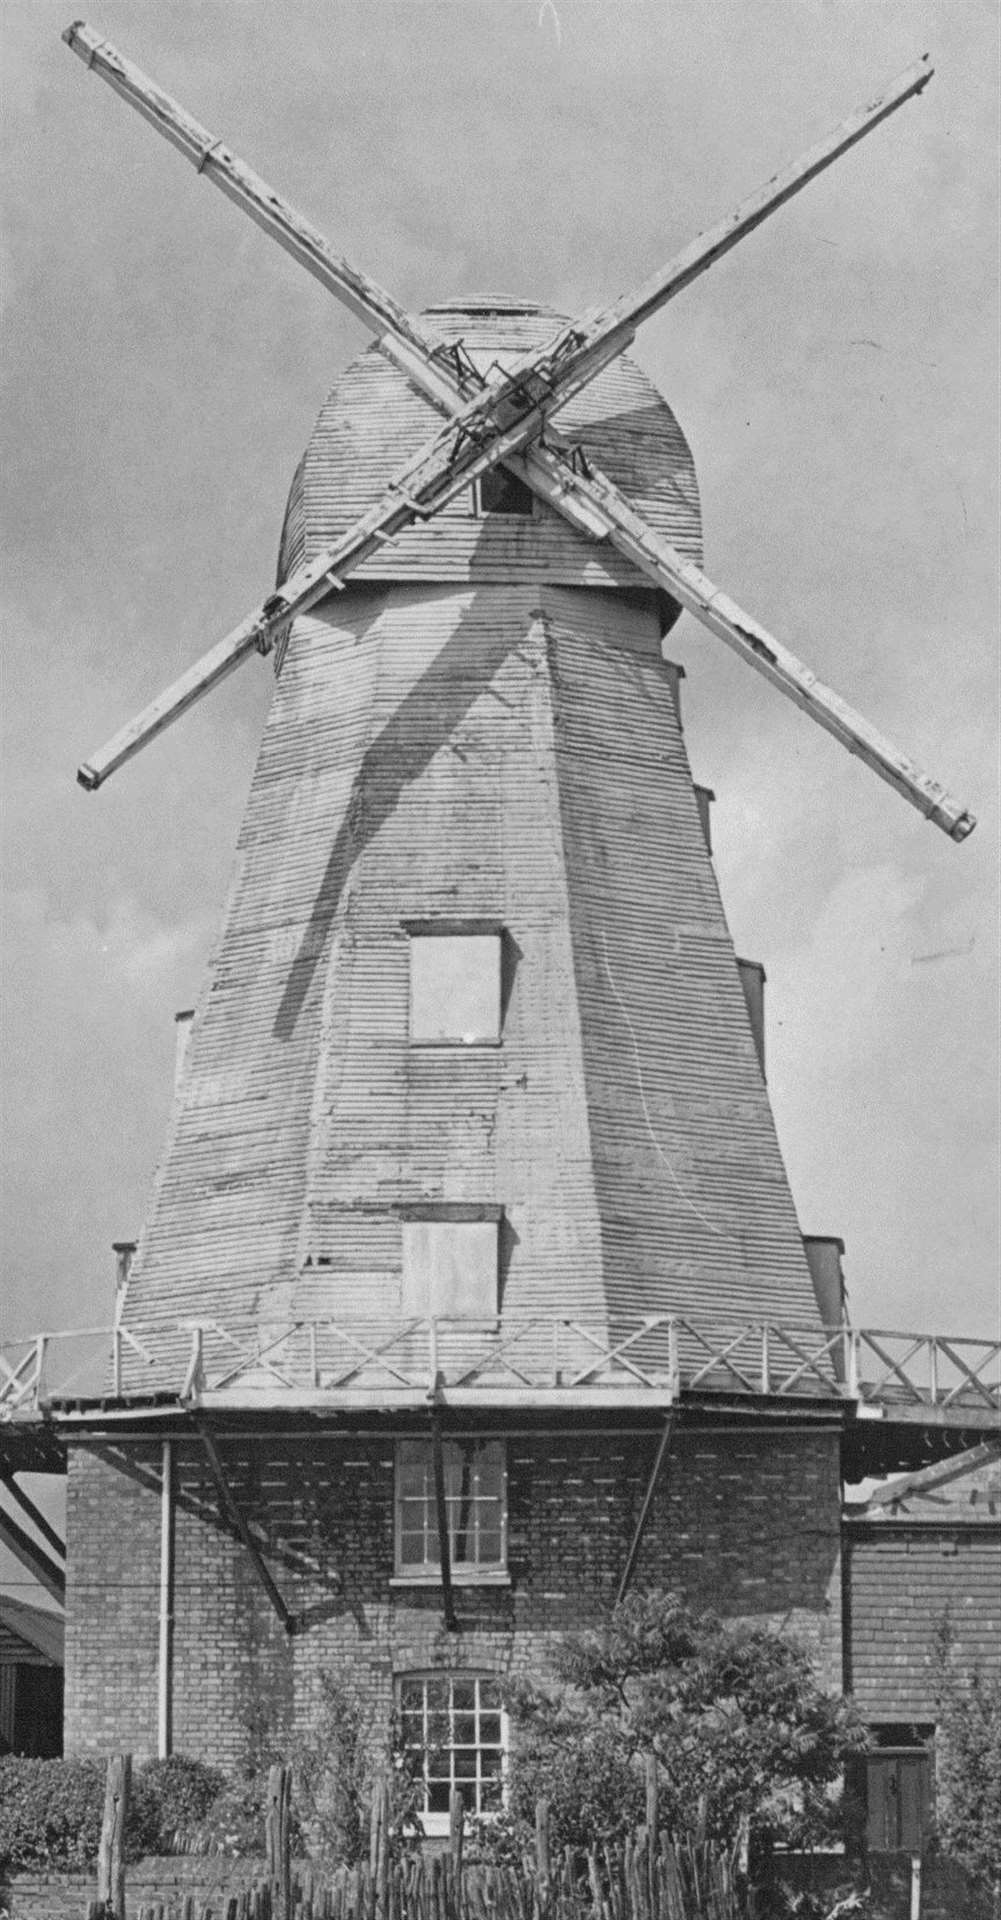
51,1810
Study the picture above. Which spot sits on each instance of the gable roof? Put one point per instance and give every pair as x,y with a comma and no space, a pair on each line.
34,1627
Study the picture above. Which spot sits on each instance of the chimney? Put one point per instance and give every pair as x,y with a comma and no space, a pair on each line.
823,1257
704,797
752,979
183,1024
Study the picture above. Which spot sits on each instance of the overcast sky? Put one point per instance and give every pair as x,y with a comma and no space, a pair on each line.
836,376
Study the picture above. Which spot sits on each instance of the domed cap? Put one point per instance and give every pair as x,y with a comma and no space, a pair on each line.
375,419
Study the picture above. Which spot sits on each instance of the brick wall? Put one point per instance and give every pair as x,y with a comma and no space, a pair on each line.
901,1581
747,1523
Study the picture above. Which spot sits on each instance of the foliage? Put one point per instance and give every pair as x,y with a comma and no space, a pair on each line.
745,1740
333,1775
51,1810
968,1764
168,1798
335,1771
234,1823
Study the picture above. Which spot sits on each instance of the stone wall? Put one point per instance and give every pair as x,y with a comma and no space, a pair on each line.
745,1522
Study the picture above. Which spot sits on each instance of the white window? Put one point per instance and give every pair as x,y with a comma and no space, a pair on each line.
455,1729
450,1267
455,989
475,1506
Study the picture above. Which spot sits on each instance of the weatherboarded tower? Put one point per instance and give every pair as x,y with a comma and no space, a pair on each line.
472,1092
471,1290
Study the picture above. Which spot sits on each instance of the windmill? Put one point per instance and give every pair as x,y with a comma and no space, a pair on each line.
472,1264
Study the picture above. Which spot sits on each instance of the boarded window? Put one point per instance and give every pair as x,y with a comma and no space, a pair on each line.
455,1731
475,1504
455,989
450,1268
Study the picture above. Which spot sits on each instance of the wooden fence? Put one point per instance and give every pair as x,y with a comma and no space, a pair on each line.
649,1876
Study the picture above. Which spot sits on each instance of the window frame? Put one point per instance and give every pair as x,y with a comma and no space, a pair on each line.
463,1573
436,1822
417,930
480,512
451,1214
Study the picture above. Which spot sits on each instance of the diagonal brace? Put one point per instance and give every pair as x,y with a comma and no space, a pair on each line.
644,1513
239,1524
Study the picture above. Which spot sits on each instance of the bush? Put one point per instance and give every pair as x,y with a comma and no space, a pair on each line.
169,1799
968,1767
51,1810
748,1747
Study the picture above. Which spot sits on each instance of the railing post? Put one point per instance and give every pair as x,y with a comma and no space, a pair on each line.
432,1355
766,1377
193,1377
41,1348
116,1362
673,1360
933,1370
556,1353
853,1342
313,1364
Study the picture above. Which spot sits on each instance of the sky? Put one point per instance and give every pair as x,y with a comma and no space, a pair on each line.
836,377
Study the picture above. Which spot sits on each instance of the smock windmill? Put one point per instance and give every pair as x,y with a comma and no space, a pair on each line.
472,1262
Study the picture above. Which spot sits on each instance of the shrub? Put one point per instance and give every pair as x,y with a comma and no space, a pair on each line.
968,1768
169,1799
51,1810
746,1743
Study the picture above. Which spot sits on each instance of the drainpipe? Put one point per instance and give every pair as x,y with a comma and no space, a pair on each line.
165,1653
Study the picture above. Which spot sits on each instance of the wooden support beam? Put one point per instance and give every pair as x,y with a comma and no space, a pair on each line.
441,1517
238,1523
35,1514
644,1512
48,1574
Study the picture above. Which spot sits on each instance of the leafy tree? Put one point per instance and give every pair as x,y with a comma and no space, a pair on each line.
968,1763
745,1740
